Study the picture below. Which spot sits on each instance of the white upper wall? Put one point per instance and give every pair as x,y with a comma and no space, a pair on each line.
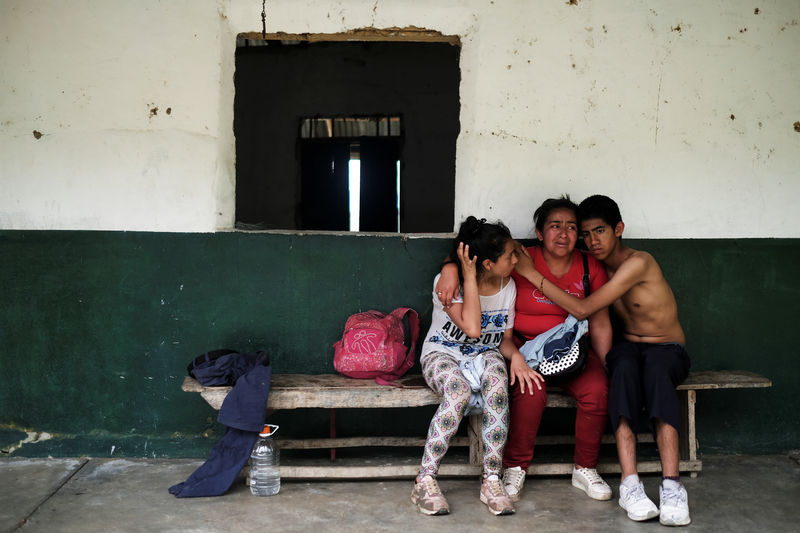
683,111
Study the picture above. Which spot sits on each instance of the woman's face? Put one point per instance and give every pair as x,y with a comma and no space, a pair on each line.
560,233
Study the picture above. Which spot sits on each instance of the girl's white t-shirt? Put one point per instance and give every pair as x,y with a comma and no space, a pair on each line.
497,315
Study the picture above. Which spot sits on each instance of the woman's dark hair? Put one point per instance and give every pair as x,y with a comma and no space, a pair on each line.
550,205
487,241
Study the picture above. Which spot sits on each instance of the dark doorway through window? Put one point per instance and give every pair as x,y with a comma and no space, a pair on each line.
308,115
350,173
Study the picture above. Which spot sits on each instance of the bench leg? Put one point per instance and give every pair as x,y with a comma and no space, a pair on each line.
475,440
333,433
684,430
688,447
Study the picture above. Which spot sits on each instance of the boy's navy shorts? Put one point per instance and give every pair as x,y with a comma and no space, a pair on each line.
644,376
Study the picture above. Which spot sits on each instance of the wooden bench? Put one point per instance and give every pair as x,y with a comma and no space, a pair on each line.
333,391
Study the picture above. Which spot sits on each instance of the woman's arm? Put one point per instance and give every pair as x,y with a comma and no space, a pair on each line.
467,315
447,286
519,369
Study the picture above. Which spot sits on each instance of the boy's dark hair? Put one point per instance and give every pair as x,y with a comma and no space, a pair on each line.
550,205
487,241
602,207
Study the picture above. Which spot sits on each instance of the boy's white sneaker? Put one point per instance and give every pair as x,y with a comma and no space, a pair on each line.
635,501
590,482
674,504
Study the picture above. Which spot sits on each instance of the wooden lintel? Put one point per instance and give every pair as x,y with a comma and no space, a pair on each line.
407,34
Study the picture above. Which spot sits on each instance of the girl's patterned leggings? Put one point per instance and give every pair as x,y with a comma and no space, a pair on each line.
444,376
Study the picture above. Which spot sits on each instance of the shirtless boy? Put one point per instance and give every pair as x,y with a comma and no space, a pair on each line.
646,367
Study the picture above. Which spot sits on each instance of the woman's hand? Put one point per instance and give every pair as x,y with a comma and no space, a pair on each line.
447,286
519,370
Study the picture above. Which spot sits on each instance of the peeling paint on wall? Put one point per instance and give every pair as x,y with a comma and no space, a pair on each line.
32,437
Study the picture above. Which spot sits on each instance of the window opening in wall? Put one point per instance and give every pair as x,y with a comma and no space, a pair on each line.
346,136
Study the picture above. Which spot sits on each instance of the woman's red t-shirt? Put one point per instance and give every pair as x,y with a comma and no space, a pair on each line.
535,313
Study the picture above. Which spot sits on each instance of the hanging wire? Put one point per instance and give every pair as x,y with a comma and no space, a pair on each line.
264,19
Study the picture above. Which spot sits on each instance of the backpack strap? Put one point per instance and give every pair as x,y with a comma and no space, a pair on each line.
411,353
587,290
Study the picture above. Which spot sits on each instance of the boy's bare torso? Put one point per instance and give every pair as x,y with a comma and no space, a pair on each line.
648,310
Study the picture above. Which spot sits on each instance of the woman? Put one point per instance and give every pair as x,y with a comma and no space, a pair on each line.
557,259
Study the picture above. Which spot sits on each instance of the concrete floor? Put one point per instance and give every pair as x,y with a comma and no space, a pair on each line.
733,493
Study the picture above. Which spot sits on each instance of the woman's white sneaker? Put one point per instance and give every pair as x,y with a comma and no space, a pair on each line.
635,501
590,482
674,504
513,479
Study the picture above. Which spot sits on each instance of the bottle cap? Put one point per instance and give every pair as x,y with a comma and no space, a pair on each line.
269,429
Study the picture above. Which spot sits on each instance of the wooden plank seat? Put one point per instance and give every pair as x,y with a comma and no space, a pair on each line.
333,391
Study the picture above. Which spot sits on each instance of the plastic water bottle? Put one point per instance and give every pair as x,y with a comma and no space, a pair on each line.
265,473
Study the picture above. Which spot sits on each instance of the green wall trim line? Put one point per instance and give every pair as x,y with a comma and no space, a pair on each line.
97,328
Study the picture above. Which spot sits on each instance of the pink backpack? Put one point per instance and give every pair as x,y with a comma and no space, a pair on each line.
373,345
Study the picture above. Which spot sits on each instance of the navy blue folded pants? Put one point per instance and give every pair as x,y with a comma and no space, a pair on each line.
244,412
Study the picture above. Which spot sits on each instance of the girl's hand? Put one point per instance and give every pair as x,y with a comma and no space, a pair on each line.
519,370
467,264
447,286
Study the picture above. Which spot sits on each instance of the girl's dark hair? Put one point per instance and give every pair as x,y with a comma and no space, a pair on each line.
487,241
550,205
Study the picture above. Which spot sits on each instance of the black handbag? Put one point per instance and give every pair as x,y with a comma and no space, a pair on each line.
559,368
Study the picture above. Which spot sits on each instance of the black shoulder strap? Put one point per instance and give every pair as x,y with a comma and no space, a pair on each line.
586,288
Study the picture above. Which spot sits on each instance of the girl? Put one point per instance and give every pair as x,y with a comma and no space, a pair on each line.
464,351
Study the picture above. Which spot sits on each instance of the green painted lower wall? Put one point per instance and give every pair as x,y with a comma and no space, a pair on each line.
96,329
